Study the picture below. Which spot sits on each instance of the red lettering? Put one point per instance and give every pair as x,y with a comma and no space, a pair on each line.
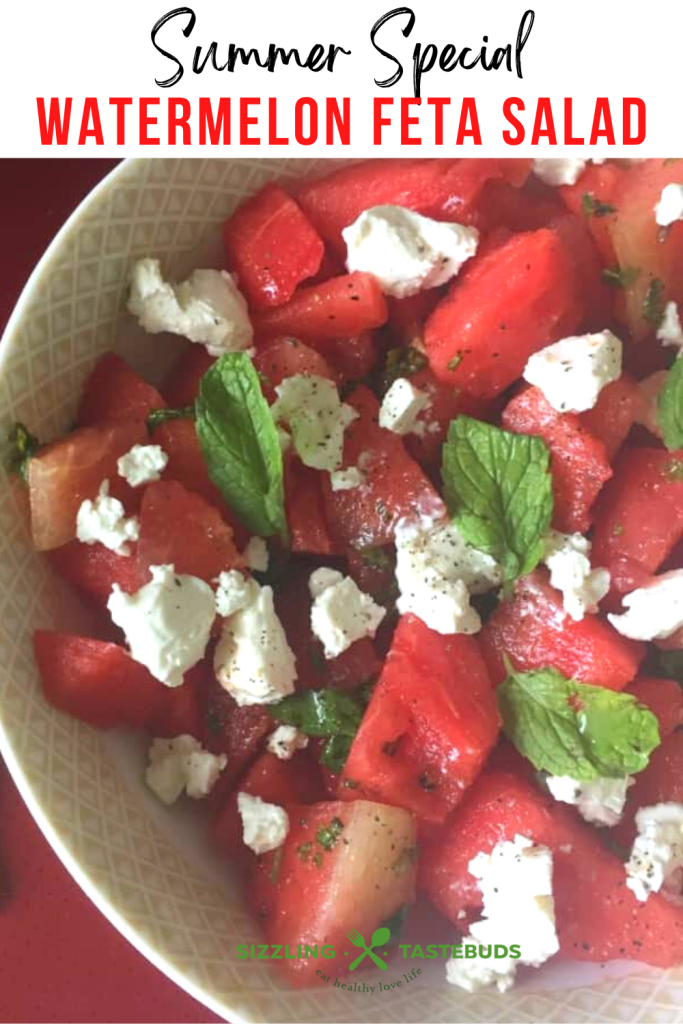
569,139
602,111
378,120
54,126
629,102
246,120
306,102
438,102
207,124
120,102
544,111
146,120
406,120
468,110
341,120
518,137
179,120
273,138
91,112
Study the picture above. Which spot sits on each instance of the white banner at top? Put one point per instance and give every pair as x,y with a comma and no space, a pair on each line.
495,77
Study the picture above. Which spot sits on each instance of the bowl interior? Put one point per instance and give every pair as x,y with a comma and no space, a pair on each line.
148,869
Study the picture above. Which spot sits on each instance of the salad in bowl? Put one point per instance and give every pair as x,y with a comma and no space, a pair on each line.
388,568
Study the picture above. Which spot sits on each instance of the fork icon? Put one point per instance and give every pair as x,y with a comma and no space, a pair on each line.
379,938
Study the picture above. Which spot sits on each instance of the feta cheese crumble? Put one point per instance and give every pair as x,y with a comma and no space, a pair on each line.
670,331
568,559
347,479
255,554
477,974
181,765
264,826
599,801
285,742
341,613
653,612
103,521
572,372
143,464
406,252
208,308
518,909
253,660
436,571
234,592
167,622
656,860
401,407
310,406
562,170
669,209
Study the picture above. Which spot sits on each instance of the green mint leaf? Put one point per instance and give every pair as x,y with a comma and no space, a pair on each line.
670,407
620,277
240,445
23,445
328,713
377,558
400,362
593,207
319,712
653,305
335,752
158,416
328,835
498,489
569,728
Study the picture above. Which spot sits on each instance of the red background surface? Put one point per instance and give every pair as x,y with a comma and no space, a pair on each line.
60,960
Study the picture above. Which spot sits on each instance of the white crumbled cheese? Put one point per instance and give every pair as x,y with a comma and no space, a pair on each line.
518,909
436,571
285,742
653,612
143,464
255,555
599,801
568,559
322,579
670,331
253,660
181,765
669,209
234,592
208,308
406,252
561,170
656,861
347,479
103,521
341,613
310,406
572,372
476,974
264,826
401,407
167,622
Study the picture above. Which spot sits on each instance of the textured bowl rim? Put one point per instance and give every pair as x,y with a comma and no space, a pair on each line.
41,818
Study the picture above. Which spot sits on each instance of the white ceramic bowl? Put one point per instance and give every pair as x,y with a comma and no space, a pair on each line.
149,870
